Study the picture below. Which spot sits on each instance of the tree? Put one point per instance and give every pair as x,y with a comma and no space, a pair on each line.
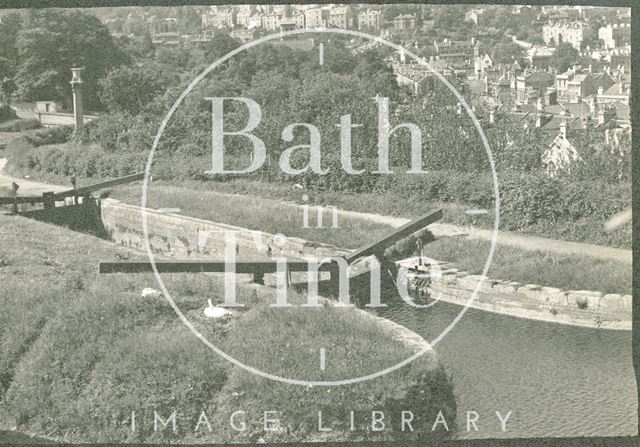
129,90
9,27
220,45
449,17
564,57
8,87
53,41
506,53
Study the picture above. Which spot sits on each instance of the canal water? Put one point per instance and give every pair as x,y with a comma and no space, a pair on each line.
557,380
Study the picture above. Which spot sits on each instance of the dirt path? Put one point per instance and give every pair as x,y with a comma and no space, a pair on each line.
28,187
507,238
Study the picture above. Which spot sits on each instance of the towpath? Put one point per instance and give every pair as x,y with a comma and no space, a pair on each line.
527,242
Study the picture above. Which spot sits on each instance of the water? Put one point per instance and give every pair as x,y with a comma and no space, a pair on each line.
557,380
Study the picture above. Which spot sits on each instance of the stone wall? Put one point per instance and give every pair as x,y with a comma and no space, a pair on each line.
188,237
576,307
192,238
60,119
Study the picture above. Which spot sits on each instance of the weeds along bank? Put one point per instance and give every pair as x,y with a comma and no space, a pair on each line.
79,352
531,202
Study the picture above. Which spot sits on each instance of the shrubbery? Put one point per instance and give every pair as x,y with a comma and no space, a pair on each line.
7,113
18,125
52,135
76,160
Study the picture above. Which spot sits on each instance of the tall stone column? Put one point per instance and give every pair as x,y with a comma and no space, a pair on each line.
76,87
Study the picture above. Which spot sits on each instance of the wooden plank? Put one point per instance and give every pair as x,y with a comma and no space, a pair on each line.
394,236
269,266
98,186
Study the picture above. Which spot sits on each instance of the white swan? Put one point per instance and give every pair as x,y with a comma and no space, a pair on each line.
148,292
214,312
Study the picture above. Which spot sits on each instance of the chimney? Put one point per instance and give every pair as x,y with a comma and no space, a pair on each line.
76,88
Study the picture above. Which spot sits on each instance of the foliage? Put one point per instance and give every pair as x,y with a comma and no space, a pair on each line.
8,88
18,125
564,57
128,90
52,135
51,42
7,113
507,53
9,28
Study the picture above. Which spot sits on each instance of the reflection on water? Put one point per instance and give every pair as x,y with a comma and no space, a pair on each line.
557,380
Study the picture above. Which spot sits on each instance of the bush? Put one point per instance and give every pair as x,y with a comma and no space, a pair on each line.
19,125
53,135
7,113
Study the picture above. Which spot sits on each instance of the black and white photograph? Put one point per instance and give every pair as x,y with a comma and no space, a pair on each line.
289,223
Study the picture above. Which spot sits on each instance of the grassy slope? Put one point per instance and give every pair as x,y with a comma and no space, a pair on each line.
509,263
80,351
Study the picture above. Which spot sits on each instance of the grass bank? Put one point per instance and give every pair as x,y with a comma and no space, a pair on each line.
273,216
80,351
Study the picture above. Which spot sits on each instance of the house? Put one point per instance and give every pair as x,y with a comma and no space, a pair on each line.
369,20
341,17
288,25
616,35
316,18
404,22
530,86
271,21
618,92
561,154
539,56
573,33
298,18
474,15
576,84
216,18
481,64
243,16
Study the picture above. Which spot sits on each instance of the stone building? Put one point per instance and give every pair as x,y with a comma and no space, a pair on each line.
216,18
369,20
404,22
316,18
341,17
616,35
271,21
573,33
529,86
576,84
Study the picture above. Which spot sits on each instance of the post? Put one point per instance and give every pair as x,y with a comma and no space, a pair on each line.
75,190
48,201
76,88
14,189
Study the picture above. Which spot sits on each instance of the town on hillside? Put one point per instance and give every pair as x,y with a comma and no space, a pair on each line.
562,69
